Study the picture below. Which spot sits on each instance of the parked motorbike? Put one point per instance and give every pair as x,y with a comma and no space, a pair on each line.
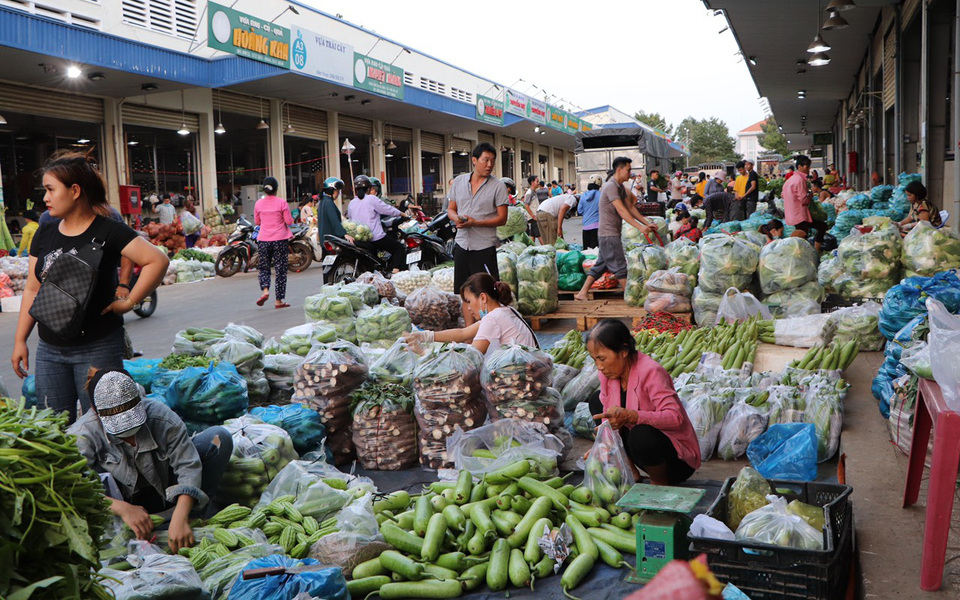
445,230
427,250
241,251
344,261
304,248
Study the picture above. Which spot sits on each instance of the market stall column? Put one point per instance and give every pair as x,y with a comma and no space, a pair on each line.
275,146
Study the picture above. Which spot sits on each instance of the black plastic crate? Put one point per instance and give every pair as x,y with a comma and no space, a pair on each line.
767,572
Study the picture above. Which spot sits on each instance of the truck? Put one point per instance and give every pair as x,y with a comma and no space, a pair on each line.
596,149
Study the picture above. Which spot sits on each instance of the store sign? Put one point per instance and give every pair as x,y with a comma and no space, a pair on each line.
517,103
537,111
573,123
556,118
320,56
238,33
376,76
489,110
586,126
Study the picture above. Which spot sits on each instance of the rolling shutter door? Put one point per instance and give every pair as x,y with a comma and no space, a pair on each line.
877,53
355,125
509,142
908,11
461,145
485,136
149,116
889,69
51,103
526,146
307,122
242,104
400,134
558,158
431,142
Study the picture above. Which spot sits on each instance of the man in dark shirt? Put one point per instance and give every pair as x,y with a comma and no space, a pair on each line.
653,190
752,195
717,205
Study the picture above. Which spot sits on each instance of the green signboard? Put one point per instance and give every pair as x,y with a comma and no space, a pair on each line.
376,76
489,110
824,138
245,35
556,118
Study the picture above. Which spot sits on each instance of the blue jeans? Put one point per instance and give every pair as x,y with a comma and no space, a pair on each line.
62,371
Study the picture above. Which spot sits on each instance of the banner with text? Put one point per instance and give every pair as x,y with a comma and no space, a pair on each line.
238,33
537,111
556,118
376,76
320,56
489,110
517,103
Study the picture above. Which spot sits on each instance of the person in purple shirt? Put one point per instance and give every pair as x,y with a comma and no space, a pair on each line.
367,209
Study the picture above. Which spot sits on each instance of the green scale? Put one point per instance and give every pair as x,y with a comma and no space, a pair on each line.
663,525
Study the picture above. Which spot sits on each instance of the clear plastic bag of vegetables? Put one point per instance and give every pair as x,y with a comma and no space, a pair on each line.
705,307
384,429
335,310
727,262
507,265
683,255
786,264
366,292
851,287
383,286
259,452
582,386
642,262
382,325
428,309
503,443
358,231
247,358
208,394
515,373
538,281
860,323
583,422
196,340
829,271
825,411
774,524
303,424
748,493
448,394
562,375
516,223
671,303
787,405
243,333
706,410
158,576
396,365
874,255
280,369
607,469
671,281
744,422
928,250
798,302
736,306
220,574
319,489
298,340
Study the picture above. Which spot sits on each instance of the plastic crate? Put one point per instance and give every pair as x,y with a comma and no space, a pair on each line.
651,209
767,572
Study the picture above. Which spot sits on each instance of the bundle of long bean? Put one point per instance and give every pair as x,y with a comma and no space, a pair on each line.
52,509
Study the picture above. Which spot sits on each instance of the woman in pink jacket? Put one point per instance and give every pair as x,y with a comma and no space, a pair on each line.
638,399
273,216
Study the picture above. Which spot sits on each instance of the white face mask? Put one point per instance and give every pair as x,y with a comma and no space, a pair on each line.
130,433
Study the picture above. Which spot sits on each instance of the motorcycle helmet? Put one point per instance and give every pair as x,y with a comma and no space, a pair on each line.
377,187
597,180
361,183
511,186
332,184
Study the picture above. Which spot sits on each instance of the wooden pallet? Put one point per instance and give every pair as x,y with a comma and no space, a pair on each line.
610,294
618,309
569,310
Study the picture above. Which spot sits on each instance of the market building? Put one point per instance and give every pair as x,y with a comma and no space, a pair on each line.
198,98
875,89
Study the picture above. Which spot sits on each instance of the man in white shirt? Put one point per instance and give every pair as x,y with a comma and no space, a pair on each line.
676,188
551,214
168,212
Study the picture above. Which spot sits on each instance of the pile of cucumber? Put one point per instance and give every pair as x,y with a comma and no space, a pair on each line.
457,536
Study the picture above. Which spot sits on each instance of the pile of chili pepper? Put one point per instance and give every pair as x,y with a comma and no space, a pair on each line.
663,321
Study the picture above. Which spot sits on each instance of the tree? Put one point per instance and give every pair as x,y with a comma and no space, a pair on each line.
772,139
654,120
710,140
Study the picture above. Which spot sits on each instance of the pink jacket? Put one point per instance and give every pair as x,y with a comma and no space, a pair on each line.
650,392
273,216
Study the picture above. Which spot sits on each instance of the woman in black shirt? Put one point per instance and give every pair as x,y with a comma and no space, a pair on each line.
77,200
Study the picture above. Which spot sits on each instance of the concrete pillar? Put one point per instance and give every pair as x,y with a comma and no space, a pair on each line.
447,162
498,171
333,148
416,159
207,154
551,167
379,161
114,151
275,160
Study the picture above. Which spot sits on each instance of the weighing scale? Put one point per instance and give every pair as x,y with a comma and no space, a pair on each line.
663,525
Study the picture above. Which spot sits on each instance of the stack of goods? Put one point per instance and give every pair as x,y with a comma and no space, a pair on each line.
927,250
188,271
205,396
443,279
357,231
669,291
788,276
642,262
683,255
298,340
383,325
570,269
16,269
538,281
725,262
196,340
324,382
448,395
50,522
279,370
302,424
334,309
259,452
384,286
871,263
384,430
515,225
507,265
516,380
432,309
407,281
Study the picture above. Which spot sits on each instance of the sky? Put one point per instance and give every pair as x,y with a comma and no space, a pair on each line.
651,55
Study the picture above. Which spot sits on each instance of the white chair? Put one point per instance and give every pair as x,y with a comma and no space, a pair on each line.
944,215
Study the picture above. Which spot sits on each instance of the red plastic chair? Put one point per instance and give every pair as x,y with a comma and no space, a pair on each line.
932,410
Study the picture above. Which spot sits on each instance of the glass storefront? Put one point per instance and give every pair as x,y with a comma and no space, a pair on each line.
430,167
241,156
526,165
161,161
507,159
399,170
306,169
26,141
358,163
461,163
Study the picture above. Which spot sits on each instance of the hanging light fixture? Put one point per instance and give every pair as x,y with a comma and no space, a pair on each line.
183,118
819,59
818,44
840,5
835,21
289,128
262,124
3,121
451,150
390,145
219,128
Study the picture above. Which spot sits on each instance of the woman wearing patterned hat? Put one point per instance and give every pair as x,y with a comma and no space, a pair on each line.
148,462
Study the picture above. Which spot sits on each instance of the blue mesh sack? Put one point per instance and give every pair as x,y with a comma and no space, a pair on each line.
859,202
143,370
28,391
208,395
302,423
905,301
881,193
162,380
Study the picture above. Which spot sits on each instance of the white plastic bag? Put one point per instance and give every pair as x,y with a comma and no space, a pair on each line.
357,537
742,424
801,332
708,527
606,471
944,340
739,306
160,575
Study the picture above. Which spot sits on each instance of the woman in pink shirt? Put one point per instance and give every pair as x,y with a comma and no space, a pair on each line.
638,399
273,216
